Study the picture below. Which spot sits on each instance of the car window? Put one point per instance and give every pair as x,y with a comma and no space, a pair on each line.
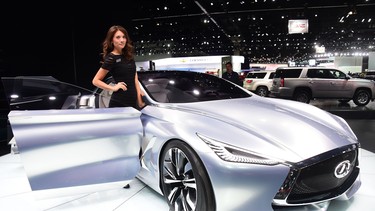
338,74
272,75
256,75
320,73
184,87
314,73
329,74
325,73
288,73
43,93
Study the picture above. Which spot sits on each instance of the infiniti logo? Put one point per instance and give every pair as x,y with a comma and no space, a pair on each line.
342,169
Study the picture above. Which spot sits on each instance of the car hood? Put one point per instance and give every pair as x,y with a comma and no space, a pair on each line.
278,128
362,80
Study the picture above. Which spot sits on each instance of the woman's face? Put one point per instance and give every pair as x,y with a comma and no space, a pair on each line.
119,40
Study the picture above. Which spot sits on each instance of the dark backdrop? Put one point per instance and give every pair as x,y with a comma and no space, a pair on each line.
62,40
59,40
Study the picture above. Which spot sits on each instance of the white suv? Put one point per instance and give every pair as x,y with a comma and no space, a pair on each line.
259,82
306,83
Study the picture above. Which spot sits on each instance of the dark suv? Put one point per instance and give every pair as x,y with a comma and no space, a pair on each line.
306,83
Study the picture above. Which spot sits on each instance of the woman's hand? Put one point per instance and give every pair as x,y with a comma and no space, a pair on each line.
120,85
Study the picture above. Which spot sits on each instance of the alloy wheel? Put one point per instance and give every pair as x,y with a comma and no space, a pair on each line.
179,180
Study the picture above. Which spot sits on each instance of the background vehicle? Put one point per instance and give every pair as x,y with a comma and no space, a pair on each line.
168,145
370,74
259,82
306,83
242,74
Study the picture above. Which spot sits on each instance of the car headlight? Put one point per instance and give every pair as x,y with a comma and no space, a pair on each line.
235,154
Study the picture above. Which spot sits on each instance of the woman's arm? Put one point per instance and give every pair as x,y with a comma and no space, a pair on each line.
98,82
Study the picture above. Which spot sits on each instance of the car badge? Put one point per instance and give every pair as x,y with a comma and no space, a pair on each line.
342,169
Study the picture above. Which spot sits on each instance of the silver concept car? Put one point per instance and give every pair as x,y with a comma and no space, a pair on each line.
202,142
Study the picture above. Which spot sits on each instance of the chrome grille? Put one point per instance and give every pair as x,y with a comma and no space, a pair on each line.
322,177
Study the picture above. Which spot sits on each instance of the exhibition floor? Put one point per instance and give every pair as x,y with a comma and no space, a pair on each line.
16,195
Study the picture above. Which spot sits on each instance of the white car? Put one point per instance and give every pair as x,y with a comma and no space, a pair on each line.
192,143
259,82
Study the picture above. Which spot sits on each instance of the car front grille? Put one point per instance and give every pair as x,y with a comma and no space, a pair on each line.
322,177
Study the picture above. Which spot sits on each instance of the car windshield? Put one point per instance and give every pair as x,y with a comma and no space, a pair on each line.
183,87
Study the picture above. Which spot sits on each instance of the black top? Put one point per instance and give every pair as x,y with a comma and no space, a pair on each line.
233,77
122,70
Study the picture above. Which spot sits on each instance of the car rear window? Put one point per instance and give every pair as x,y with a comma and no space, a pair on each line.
287,73
256,75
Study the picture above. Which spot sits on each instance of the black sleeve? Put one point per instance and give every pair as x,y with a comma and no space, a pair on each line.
108,62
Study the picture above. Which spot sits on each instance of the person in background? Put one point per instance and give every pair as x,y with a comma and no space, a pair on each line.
118,61
230,75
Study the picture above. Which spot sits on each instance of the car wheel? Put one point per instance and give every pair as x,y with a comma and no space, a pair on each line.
302,96
361,97
262,91
184,180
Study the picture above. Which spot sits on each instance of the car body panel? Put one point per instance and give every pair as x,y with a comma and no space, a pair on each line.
77,147
163,118
221,173
266,143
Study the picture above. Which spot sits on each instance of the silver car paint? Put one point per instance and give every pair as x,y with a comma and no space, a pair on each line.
259,125
242,186
73,147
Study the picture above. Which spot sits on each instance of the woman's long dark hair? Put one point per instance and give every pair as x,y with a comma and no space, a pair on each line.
127,51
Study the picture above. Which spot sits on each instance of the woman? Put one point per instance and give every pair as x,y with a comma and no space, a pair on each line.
118,60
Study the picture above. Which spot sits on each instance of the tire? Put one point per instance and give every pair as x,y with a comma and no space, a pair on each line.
262,91
302,96
361,97
184,180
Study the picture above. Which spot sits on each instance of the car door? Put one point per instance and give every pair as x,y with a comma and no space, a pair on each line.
336,84
342,86
64,141
319,83
329,83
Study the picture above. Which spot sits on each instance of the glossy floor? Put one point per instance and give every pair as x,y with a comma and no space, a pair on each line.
16,195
